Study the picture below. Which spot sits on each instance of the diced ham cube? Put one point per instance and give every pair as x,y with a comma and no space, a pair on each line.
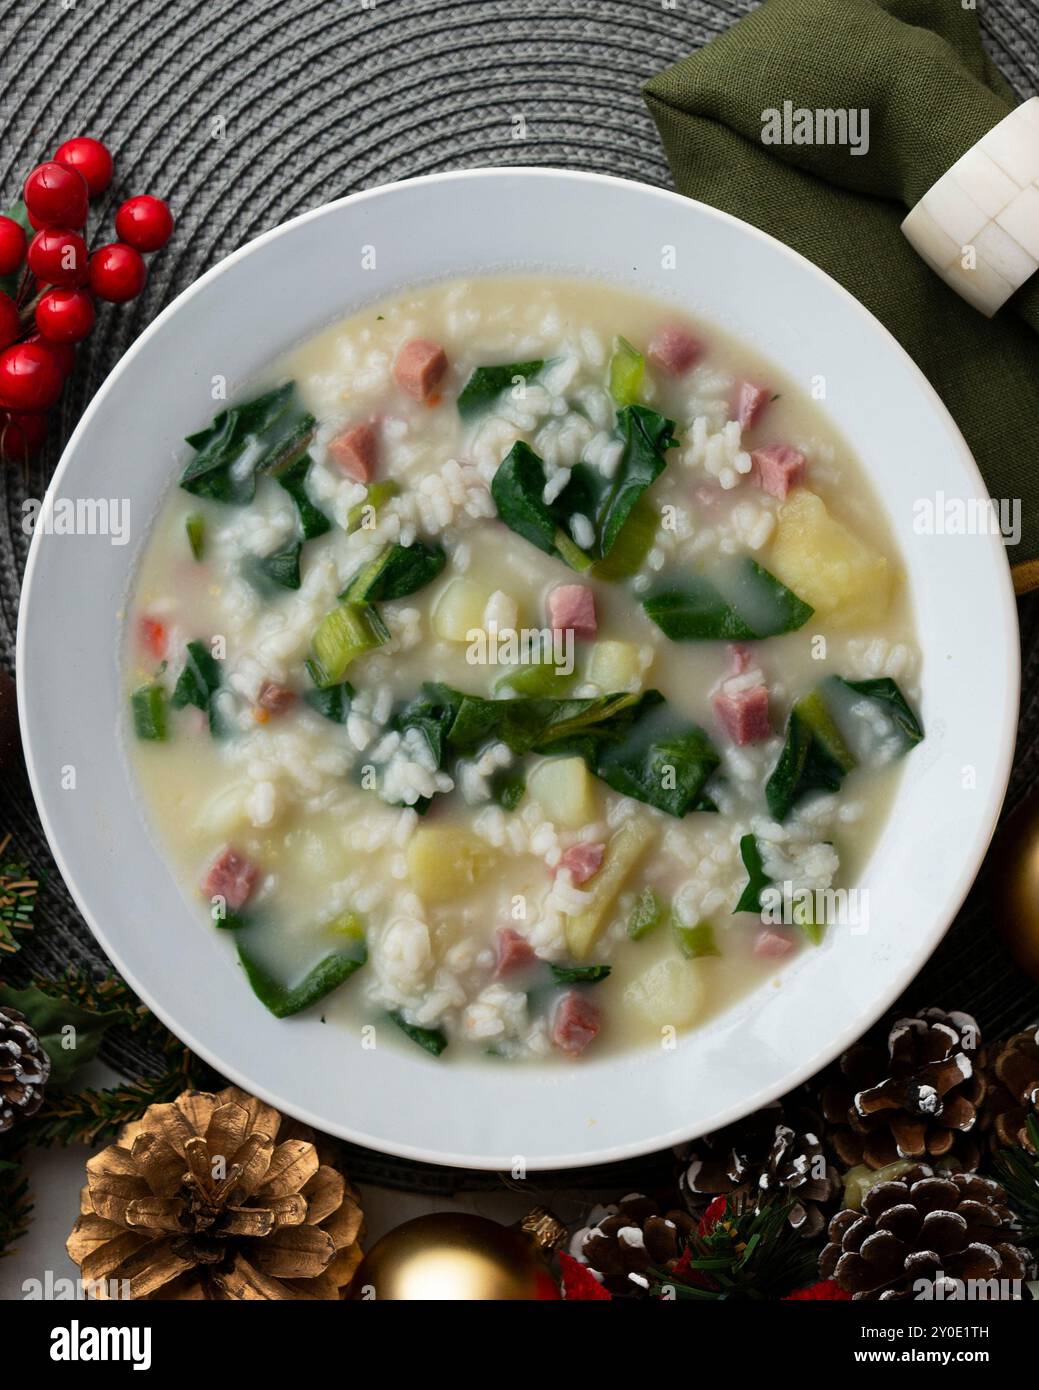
575,1023
275,698
674,349
419,366
743,713
572,606
771,944
750,402
355,451
777,468
583,861
741,658
232,877
513,952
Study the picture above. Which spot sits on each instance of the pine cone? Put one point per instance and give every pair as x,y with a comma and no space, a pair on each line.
628,1238
914,1096
776,1152
923,1232
24,1068
1011,1072
216,1197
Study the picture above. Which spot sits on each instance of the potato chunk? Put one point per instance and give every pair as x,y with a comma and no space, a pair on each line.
563,789
671,992
615,666
444,861
459,610
622,854
826,564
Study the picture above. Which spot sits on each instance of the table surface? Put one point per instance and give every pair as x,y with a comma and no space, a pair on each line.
243,116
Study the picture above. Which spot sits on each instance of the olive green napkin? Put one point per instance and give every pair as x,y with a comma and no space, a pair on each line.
931,92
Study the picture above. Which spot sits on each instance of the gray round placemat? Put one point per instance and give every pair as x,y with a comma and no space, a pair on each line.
243,113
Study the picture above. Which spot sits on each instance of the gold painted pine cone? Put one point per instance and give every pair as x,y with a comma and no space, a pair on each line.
216,1197
1011,1071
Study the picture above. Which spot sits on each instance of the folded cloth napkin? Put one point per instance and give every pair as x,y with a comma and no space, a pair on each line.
918,68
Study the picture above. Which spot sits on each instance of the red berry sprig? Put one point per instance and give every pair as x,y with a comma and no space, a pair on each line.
50,282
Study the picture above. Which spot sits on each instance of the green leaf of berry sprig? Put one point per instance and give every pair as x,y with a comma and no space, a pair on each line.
49,280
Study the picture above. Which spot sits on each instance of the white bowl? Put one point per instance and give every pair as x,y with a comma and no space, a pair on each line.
285,286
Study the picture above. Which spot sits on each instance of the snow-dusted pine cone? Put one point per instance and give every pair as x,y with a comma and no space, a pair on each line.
626,1239
1011,1072
24,1068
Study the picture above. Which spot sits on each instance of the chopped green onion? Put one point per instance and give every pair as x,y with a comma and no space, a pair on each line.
345,633
647,913
195,526
148,703
695,941
813,711
432,1039
579,974
626,368
378,493
539,678
570,552
634,542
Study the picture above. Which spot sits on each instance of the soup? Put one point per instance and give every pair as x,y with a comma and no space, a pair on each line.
520,669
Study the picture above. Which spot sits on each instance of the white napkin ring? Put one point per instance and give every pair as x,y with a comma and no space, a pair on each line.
978,226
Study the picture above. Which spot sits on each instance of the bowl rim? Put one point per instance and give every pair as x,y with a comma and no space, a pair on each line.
898,979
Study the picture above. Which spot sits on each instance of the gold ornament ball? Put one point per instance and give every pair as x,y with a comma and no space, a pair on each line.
456,1257
1014,869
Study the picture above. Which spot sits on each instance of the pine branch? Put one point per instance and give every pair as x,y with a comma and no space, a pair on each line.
747,1254
1018,1170
17,900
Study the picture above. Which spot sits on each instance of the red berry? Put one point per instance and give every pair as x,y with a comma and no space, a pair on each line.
65,316
58,257
64,354
117,272
56,196
21,433
30,378
10,320
12,245
144,222
89,158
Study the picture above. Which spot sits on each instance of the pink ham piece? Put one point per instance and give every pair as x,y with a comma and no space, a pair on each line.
770,944
420,365
232,877
750,402
355,451
513,952
573,606
675,350
777,468
741,658
743,714
275,698
575,1023
583,861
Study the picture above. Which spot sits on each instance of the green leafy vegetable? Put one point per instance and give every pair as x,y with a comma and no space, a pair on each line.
431,1039
758,880
70,1033
886,693
487,383
538,678
395,572
627,367
345,633
279,570
378,493
807,763
634,542
293,479
579,974
148,705
195,528
333,701
260,436
508,786
517,490
696,941
327,975
199,680
647,913
742,603
647,436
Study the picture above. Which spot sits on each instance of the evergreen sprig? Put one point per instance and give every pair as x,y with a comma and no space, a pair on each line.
1018,1170
17,899
745,1254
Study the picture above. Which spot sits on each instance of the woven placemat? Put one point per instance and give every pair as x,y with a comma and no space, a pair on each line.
245,112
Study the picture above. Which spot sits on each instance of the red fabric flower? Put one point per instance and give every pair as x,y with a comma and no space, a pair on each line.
579,1283
827,1290
712,1216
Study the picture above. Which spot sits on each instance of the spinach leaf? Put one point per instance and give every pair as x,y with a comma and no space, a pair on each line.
198,681
312,519
432,712
647,436
758,881
487,383
507,787
517,491
279,570
660,763
807,763
886,693
579,974
395,572
431,1039
327,975
539,722
70,1033
744,603
332,701
260,436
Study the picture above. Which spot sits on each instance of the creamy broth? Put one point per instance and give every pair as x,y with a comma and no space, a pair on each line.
305,799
